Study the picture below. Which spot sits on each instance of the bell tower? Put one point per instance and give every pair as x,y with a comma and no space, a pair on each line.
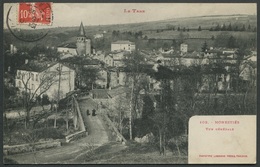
83,44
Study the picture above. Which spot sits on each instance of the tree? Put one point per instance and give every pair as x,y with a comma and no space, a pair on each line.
87,77
115,34
249,27
119,113
31,137
135,65
231,42
223,27
221,39
174,43
181,38
241,53
229,28
46,78
217,28
199,29
243,28
204,47
236,28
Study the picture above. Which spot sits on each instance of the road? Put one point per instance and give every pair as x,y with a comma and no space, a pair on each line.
70,152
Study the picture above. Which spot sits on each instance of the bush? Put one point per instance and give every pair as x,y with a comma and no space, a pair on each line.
45,100
9,161
182,142
49,133
142,127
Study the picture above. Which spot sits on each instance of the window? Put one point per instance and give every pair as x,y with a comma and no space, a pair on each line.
36,77
32,76
19,75
19,84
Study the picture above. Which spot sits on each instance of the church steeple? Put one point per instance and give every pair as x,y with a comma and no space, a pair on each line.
83,44
81,30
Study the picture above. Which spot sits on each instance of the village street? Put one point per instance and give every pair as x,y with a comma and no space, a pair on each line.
70,152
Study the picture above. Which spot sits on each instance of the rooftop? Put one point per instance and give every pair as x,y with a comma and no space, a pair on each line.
36,66
68,45
123,42
81,61
81,31
105,93
117,91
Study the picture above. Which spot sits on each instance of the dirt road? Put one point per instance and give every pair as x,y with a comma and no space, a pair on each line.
71,151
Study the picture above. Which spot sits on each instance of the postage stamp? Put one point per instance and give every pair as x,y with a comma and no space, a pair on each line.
36,17
39,13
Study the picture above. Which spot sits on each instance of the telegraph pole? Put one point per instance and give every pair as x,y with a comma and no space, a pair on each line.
56,112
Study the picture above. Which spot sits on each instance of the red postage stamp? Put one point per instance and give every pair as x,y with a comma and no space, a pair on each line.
35,13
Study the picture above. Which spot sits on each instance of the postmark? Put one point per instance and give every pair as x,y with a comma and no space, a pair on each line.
30,22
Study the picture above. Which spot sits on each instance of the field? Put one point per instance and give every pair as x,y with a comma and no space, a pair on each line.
59,35
196,34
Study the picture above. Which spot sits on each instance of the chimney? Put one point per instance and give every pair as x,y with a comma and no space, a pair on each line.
26,61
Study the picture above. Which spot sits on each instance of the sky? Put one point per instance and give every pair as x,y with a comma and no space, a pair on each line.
71,14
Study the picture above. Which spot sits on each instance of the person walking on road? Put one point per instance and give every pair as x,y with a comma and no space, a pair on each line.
88,112
93,112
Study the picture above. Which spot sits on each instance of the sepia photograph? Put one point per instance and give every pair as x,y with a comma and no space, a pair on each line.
129,83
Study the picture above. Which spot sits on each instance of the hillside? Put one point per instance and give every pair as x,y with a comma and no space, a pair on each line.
131,153
58,35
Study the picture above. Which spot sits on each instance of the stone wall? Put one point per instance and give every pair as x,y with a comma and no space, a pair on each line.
75,136
23,148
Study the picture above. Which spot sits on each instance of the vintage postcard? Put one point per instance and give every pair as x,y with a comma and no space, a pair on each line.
129,83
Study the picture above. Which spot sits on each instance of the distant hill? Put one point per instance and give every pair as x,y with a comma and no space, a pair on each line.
59,35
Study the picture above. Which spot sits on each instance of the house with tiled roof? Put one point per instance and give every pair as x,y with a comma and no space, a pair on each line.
49,78
124,45
67,50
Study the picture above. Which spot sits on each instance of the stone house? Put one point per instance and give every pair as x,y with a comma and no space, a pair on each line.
45,78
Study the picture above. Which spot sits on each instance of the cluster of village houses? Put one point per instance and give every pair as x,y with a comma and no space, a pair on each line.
112,76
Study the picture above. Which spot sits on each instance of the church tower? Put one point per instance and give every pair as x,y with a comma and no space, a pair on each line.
83,44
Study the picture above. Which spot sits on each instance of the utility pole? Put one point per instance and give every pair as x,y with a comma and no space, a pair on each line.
59,72
131,106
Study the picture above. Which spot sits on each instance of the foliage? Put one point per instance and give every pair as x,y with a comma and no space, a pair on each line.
88,77
9,161
47,79
235,27
48,133
199,29
45,100
224,39
204,47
